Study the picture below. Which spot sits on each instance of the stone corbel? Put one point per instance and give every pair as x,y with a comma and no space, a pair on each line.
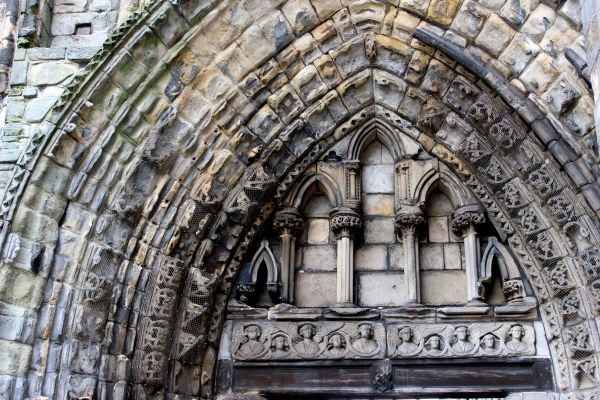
465,221
408,219
289,223
346,224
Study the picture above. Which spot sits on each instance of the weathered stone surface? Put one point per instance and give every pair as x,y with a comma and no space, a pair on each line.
50,74
380,289
315,289
495,35
443,287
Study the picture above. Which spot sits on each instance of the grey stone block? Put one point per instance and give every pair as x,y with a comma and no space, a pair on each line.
82,53
562,152
19,73
544,131
46,53
37,109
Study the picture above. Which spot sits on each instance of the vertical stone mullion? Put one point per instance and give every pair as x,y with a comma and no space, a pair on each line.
345,223
407,221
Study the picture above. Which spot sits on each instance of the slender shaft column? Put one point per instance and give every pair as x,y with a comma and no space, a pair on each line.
289,223
345,223
407,221
464,222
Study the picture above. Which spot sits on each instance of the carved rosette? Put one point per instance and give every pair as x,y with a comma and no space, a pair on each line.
345,222
408,219
467,217
289,221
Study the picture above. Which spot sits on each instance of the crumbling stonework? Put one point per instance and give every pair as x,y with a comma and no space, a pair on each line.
140,164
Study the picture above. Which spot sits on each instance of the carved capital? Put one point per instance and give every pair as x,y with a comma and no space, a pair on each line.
466,218
345,222
408,218
289,221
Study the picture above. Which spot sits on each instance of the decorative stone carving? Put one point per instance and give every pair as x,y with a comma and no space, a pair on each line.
465,221
447,341
266,340
345,223
352,171
289,223
407,219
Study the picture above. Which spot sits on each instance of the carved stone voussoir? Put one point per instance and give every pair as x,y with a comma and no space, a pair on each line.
289,221
262,340
345,222
467,216
476,340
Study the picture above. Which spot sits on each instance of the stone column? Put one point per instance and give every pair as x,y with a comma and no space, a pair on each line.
345,223
352,176
407,221
289,223
464,222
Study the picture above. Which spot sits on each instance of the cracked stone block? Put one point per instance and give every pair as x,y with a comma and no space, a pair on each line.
519,53
538,22
495,35
301,15
540,73
442,11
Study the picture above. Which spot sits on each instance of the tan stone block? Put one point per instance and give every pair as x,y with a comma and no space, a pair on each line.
470,19
559,36
370,258
308,48
495,35
418,7
417,67
326,36
453,256
539,74
515,12
396,252
442,11
581,118
255,45
388,89
286,103
378,178
213,84
308,84
519,52
344,24
317,206
319,258
16,285
539,19
437,229
367,14
443,287
315,289
378,204
406,22
318,230
381,289
431,256
437,78
192,105
301,15
328,71
380,230
350,57
326,8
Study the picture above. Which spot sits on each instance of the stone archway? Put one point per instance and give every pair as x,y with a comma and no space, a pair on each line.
137,203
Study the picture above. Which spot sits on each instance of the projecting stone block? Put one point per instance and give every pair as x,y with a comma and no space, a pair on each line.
315,289
495,35
301,15
380,289
443,287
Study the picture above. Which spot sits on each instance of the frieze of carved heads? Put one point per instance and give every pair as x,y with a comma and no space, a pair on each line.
467,217
345,222
289,221
440,340
262,340
268,340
